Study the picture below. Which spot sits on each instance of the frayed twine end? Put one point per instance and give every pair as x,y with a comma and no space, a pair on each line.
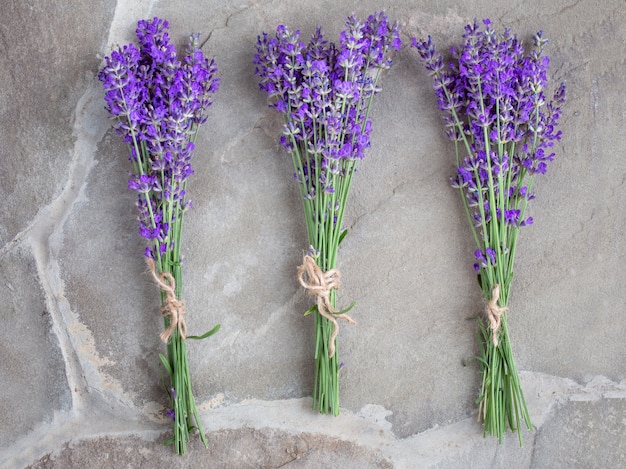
320,284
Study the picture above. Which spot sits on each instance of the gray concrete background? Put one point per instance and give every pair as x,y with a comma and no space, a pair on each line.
79,347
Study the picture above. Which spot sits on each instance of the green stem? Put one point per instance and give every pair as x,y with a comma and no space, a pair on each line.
501,398
182,400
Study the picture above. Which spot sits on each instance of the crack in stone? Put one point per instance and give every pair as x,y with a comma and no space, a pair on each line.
46,238
227,21
124,9
567,7
383,202
430,447
45,235
234,142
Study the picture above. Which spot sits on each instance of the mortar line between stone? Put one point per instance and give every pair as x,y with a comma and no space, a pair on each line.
46,236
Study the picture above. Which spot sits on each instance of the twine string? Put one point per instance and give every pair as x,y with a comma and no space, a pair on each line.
172,307
319,284
494,313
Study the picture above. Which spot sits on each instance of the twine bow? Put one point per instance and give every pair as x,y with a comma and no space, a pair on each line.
494,313
172,306
320,284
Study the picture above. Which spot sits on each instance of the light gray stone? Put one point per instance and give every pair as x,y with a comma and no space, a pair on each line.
583,434
242,448
570,278
34,386
106,279
47,52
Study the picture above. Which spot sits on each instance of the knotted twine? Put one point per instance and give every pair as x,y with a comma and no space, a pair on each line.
494,313
172,306
320,284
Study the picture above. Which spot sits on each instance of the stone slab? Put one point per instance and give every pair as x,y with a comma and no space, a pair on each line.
243,448
34,386
590,434
47,56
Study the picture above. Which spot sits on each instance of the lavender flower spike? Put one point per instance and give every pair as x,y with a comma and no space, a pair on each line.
504,128
157,103
324,92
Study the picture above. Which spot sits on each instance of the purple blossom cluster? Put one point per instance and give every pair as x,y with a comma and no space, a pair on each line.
493,97
157,102
324,92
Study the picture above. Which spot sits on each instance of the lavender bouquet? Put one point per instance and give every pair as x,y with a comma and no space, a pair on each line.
495,110
157,103
324,93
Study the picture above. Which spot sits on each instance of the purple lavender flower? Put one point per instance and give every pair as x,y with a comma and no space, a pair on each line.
157,102
324,92
492,96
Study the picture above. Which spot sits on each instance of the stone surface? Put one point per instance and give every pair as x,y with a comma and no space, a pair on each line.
86,370
43,73
34,385
571,263
101,283
592,435
251,448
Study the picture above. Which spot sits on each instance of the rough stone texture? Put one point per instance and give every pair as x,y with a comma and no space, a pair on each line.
592,436
42,75
112,307
81,382
34,385
251,448
572,264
